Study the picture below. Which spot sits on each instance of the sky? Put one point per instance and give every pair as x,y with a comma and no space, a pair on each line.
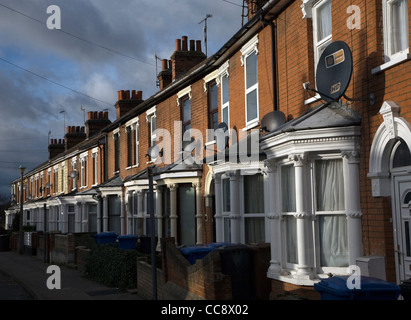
51,78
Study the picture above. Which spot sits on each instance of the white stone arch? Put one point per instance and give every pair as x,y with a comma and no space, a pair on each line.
390,130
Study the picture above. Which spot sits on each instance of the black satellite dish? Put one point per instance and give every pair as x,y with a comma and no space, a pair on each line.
220,131
334,71
272,120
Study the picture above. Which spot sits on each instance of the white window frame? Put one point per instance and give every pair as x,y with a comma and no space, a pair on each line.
56,183
324,269
319,44
390,58
94,155
223,73
247,50
74,168
244,215
83,171
388,27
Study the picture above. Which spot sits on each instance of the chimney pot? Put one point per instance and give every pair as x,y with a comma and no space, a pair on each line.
100,115
164,64
82,129
198,48
106,115
95,115
89,115
178,44
120,94
192,45
184,44
51,141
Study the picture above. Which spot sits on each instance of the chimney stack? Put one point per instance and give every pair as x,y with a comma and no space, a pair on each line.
74,135
126,102
254,6
55,148
186,56
165,75
96,121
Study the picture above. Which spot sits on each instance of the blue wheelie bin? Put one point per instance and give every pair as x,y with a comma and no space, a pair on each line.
106,237
194,253
336,288
127,242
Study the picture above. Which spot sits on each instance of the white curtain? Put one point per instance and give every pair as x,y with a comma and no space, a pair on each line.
291,238
254,204
333,228
399,23
324,20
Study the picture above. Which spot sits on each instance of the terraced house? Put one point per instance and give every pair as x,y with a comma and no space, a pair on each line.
246,150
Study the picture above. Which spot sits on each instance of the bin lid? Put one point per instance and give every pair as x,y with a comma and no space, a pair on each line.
127,236
338,285
106,234
195,249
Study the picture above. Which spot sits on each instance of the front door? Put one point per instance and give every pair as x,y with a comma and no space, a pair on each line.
402,224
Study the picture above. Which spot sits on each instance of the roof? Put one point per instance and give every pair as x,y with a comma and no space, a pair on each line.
327,115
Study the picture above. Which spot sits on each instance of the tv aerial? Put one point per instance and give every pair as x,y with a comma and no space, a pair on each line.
205,30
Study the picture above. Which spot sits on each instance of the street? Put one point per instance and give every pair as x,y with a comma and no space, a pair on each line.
11,290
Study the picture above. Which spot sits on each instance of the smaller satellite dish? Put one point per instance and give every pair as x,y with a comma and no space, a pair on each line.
334,71
153,152
221,136
272,121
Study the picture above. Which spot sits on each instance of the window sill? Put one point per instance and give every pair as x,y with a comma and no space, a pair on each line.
395,61
133,166
251,125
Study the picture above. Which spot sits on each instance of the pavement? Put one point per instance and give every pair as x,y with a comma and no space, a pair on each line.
31,273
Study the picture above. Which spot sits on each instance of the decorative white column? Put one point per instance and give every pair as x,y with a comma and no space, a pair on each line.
140,214
105,214
353,204
199,213
78,217
173,210
273,213
129,211
159,215
235,206
122,214
99,217
84,219
302,216
218,208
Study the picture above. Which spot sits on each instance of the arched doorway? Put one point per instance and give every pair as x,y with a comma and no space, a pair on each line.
390,173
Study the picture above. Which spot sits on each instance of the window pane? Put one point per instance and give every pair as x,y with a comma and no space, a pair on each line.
288,188
254,194
251,70
402,156
291,235
225,90
187,215
324,24
186,110
329,185
333,241
225,115
226,195
254,230
214,120
252,105
213,97
399,23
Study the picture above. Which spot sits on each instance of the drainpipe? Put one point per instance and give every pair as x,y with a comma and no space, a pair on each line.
273,59
274,63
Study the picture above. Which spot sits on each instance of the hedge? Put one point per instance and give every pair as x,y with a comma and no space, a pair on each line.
111,266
